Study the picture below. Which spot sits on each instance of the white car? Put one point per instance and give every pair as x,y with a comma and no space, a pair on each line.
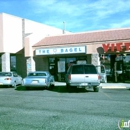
39,79
10,79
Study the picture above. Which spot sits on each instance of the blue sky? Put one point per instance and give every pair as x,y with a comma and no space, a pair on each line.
78,15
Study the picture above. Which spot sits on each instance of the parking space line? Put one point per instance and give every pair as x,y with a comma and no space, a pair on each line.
107,95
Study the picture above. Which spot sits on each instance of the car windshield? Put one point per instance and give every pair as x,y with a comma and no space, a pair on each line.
5,74
81,69
37,74
78,69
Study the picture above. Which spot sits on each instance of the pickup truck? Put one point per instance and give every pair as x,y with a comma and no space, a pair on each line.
83,76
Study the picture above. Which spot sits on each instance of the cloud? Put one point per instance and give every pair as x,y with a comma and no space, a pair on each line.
125,23
58,7
78,15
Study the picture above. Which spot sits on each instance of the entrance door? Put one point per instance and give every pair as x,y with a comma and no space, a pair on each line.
102,72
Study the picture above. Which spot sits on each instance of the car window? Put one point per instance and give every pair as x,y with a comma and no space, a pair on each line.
89,69
37,74
78,69
15,75
5,74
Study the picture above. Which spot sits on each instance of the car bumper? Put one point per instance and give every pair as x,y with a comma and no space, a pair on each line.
8,83
83,85
36,85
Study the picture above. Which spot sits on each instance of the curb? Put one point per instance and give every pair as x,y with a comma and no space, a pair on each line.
114,87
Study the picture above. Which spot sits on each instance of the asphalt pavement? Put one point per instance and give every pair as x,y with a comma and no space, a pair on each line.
104,85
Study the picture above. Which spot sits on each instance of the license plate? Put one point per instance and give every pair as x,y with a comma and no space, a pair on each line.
84,84
34,82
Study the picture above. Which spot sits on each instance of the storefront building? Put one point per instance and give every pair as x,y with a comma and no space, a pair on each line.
109,47
29,46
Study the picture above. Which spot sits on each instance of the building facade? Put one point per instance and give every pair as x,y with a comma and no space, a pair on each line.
17,35
27,46
108,47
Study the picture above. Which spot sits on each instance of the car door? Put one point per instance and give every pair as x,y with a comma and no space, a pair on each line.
102,72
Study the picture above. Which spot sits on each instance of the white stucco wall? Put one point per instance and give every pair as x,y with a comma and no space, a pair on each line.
12,33
37,32
12,28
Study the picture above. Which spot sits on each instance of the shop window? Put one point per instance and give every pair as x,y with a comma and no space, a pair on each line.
13,63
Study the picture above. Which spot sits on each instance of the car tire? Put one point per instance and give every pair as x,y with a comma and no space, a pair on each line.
51,86
96,89
14,85
27,88
68,87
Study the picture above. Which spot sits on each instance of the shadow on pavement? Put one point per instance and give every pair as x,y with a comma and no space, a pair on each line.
5,86
63,89
59,89
20,88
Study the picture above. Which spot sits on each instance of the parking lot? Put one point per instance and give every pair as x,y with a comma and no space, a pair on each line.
58,109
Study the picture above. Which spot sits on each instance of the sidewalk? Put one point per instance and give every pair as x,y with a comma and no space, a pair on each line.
115,85
104,85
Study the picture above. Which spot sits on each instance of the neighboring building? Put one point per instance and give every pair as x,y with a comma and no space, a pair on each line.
14,34
40,47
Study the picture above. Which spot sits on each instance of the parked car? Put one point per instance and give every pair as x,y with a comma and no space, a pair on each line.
83,76
102,72
10,79
39,79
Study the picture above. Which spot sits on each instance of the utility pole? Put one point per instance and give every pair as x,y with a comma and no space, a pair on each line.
63,27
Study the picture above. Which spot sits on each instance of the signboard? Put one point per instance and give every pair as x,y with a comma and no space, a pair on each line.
116,47
63,50
61,66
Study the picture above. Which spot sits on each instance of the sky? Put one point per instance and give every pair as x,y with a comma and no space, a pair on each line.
72,15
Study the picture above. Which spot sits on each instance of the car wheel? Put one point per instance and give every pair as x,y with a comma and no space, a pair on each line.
52,84
27,88
96,89
14,85
68,87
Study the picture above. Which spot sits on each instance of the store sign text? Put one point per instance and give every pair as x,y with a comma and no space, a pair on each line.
64,50
116,47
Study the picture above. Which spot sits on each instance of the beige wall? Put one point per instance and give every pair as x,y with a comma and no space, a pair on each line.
41,63
94,48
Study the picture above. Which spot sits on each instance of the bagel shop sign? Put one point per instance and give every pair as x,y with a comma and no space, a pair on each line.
116,47
61,50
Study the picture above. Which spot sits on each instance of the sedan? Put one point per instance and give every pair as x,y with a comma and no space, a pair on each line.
39,79
10,79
